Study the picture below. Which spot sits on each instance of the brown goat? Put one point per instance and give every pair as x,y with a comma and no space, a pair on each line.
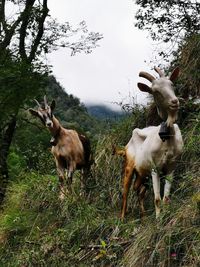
70,149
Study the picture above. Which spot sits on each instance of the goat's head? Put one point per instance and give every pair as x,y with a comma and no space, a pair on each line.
163,93
44,112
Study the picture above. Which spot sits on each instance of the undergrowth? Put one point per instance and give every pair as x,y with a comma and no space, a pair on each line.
38,229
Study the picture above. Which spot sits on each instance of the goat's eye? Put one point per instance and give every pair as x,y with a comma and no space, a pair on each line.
49,115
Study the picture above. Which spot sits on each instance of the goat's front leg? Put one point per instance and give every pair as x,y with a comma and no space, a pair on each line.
156,189
61,175
167,188
69,177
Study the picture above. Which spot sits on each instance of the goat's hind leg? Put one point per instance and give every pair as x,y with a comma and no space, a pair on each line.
141,196
85,180
141,192
126,186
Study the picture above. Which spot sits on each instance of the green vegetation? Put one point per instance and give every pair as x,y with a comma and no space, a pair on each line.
36,227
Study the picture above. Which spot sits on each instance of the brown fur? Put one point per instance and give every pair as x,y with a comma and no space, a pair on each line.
71,150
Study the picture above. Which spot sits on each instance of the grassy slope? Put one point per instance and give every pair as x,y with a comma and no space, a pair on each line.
37,229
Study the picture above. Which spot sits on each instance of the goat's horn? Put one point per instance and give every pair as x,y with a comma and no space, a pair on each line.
159,71
37,103
45,102
147,76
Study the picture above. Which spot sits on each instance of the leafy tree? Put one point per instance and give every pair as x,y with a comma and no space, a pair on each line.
25,37
169,21
178,24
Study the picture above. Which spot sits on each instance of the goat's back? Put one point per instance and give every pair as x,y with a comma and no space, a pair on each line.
149,151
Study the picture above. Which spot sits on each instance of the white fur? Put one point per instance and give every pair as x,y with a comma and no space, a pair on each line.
152,156
146,154
165,99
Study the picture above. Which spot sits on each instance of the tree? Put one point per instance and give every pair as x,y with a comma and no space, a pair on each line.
26,36
178,24
169,20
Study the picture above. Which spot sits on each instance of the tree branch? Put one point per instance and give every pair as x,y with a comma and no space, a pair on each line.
31,123
23,28
3,25
9,33
39,35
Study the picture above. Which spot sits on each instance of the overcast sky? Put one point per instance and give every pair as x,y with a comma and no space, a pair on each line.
110,72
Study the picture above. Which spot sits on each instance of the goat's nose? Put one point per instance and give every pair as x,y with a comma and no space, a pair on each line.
175,101
48,124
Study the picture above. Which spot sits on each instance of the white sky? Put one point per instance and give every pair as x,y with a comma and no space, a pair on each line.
110,72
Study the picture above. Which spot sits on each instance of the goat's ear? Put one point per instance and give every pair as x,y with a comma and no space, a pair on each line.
174,74
144,88
53,105
33,112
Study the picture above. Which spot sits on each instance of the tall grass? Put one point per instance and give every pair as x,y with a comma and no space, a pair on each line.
37,229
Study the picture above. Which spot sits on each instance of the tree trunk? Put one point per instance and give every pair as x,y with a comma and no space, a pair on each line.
4,150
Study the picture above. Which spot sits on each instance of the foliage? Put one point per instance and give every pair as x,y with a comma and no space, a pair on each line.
169,23
188,60
32,32
168,20
18,82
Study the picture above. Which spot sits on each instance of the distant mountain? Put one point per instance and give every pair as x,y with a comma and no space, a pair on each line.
104,112
70,111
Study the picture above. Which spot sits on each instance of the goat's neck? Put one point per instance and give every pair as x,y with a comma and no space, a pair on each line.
172,129
56,127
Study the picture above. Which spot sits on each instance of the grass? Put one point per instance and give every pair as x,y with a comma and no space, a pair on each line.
37,229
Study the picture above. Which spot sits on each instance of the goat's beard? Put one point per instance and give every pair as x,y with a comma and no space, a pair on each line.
169,116
171,119
162,113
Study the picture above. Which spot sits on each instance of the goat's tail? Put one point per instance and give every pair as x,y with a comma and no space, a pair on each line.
118,151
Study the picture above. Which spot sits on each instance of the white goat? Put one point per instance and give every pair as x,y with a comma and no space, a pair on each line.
146,153
71,150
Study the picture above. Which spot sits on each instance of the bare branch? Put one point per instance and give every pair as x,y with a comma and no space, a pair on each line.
39,35
3,25
23,28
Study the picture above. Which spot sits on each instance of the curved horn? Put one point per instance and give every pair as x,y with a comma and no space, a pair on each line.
159,71
45,102
37,103
147,76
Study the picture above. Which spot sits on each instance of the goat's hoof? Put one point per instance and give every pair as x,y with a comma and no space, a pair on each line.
166,200
62,196
122,217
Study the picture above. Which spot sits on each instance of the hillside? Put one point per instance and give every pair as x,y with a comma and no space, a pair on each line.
70,112
104,112
47,220
37,229
69,109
